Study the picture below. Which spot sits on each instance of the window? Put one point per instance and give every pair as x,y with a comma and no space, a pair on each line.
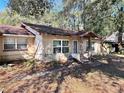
60,46
21,43
11,43
56,46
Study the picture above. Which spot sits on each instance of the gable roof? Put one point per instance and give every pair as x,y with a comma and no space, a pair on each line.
13,30
58,31
53,30
90,34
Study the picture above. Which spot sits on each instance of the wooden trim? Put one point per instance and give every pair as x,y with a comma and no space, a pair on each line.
89,33
30,29
9,50
11,35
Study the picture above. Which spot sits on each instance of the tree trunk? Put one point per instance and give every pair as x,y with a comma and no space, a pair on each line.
120,28
120,36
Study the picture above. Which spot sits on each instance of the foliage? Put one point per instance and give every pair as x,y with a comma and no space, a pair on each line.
5,18
94,15
100,16
34,8
15,19
29,63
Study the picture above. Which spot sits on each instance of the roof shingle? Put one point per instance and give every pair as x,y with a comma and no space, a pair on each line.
53,30
7,29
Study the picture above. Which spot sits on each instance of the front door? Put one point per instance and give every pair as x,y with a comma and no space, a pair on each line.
75,46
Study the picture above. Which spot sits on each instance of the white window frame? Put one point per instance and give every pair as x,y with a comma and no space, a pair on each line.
18,43
73,46
16,40
4,42
61,46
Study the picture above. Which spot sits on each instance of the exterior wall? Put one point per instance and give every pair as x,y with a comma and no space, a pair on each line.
16,55
97,46
48,45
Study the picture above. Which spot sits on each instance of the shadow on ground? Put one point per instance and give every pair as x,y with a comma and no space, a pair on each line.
110,65
100,71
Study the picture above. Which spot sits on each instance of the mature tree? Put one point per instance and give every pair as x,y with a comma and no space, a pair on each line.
95,15
15,19
10,20
119,21
91,15
52,18
34,8
100,16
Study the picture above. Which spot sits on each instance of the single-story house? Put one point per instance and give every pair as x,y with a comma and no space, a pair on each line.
44,42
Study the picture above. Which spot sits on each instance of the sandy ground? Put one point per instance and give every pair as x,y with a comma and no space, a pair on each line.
74,78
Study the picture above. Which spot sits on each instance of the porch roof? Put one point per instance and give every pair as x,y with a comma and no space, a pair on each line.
90,34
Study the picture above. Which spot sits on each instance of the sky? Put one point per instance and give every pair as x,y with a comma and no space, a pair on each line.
58,4
3,4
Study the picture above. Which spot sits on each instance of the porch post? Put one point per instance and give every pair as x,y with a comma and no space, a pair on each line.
89,46
81,48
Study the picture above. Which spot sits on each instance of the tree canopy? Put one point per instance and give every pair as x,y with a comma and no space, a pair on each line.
34,8
94,15
100,16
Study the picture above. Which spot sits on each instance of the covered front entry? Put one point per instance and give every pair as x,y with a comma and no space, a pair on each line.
89,45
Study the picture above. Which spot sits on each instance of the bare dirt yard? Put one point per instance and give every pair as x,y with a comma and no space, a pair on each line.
108,77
